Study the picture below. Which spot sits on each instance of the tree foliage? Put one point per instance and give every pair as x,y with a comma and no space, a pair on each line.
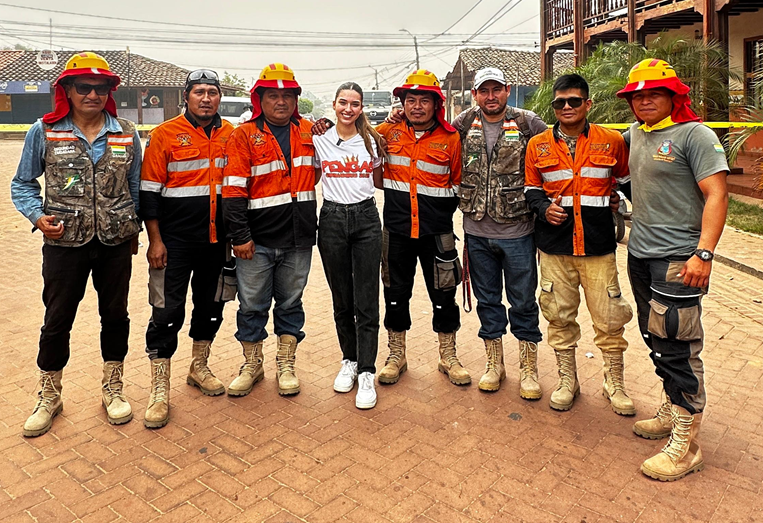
305,106
234,80
701,65
751,111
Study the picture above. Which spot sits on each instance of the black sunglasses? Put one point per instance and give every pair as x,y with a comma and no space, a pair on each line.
573,101
203,74
85,89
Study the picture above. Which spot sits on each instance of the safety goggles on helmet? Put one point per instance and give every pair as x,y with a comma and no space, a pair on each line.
202,76
572,101
85,89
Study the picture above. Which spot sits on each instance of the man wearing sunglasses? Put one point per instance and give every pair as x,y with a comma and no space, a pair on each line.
180,195
570,174
91,162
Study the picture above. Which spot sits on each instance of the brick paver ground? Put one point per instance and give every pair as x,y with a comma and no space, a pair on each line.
430,451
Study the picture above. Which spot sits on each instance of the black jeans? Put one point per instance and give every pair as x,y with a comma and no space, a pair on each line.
442,273
669,318
65,271
350,243
168,289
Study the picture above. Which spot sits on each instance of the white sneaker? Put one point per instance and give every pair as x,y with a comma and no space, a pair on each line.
345,380
366,395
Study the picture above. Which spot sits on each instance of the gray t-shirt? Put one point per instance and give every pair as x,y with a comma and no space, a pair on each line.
488,227
665,167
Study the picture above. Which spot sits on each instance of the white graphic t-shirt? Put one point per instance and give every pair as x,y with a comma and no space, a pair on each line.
346,166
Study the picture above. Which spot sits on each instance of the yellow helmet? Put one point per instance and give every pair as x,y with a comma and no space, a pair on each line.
277,72
274,76
651,74
87,60
420,80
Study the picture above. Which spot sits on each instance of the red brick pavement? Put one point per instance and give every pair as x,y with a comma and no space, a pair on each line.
429,451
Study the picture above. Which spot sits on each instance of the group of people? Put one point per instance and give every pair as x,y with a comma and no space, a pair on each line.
233,211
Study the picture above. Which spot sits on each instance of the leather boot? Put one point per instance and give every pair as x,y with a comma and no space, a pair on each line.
682,455
658,427
449,363
250,372
568,387
288,383
614,383
158,410
199,374
118,410
529,388
49,405
495,371
396,363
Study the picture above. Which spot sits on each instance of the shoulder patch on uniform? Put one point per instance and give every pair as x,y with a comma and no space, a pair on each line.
438,146
184,139
600,147
719,148
148,141
258,139
543,149
394,135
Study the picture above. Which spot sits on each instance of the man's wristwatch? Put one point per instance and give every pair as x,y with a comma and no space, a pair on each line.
704,254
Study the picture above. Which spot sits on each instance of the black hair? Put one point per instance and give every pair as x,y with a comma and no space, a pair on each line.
405,93
571,81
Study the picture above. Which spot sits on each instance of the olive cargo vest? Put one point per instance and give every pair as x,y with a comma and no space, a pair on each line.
495,187
90,199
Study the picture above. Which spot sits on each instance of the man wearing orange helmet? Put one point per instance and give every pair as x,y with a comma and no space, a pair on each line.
678,178
421,179
91,162
270,213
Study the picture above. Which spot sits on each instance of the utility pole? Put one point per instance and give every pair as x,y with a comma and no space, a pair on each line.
51,33
376,76
415,46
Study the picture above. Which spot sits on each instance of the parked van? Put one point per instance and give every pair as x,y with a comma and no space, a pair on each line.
232,107
377,105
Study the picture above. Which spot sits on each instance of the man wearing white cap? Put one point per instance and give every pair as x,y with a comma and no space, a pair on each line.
498,226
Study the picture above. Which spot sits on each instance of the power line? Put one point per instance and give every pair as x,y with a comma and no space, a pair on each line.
457,21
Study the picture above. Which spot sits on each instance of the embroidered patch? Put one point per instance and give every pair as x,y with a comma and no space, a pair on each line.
663,152
148,141
719,148
600,147
64,149
118,151
184,139
394,136
511,135
258,139
307,136
70,181
438,146
473,157
543,150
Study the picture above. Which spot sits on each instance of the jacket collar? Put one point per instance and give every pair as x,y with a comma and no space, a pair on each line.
111,124
585,132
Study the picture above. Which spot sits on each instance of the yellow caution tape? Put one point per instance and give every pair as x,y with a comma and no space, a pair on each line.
24,127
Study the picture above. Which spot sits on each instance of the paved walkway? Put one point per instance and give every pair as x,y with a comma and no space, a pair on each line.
429,452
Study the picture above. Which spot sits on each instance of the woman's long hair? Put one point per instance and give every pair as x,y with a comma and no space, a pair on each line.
366,131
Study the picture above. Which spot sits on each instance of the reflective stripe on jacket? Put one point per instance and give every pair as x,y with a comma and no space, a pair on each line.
181,180
584,183
421,179
278,200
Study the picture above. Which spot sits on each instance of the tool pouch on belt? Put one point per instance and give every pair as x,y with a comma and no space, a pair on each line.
447,267
226,283
675,321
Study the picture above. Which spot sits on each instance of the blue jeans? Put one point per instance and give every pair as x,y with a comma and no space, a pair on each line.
490,261
279,274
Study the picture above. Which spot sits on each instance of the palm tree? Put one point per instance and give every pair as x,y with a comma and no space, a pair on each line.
750,112
701,65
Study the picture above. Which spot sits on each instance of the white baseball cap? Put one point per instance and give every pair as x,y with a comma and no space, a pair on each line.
488,73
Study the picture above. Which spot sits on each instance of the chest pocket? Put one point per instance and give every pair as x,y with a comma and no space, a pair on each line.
437,163
185,159
69,177
509,154
549,169
602,167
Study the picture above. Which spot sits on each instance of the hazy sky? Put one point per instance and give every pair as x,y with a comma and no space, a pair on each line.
242,37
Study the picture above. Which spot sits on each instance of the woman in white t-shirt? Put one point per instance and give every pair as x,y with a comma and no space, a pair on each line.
350,238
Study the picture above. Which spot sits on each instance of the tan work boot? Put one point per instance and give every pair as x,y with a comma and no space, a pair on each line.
288,383
396,363
49,405
449,363
199,374
250,372
614,383
158,410
118,410
682,455
495,371
568,387
529,388
660,425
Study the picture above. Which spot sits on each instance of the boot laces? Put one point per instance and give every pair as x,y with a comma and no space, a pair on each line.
395,348
160,384
48,392
528,357
665,413
616,369
202,369
492,355
251,360
566,371
114,384
679,437
285,360
448,349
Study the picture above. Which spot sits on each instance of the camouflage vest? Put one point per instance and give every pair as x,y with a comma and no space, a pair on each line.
495,187
90,199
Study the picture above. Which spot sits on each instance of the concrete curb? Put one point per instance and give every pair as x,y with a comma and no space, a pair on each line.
739,266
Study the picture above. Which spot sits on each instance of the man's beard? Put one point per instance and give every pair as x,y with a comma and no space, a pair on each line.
493,112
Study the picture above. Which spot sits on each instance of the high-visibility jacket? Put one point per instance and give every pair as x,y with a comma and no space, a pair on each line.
585,184
264,199
421,179
181,180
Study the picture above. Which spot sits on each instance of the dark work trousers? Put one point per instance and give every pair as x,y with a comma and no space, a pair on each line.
201,265
350,243
441,272
669,318
65,271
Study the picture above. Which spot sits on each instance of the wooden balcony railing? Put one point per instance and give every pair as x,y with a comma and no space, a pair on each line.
559,17
598,11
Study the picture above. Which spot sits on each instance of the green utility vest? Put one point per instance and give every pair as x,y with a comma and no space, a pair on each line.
90,199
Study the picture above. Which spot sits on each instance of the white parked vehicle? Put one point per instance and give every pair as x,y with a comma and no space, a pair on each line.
232,107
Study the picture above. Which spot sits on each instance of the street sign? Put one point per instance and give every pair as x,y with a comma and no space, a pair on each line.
47,59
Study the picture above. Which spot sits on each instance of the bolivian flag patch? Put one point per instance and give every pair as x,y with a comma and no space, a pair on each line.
118,151
719,148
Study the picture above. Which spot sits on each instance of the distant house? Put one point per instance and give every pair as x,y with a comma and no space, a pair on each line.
150,92
521,68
